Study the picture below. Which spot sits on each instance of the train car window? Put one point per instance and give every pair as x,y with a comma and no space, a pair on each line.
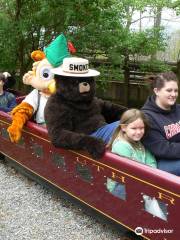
59,160
116,189
155,207
4,133
21,141
37,150
84,172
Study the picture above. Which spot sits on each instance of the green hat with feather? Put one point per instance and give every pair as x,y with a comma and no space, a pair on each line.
57,51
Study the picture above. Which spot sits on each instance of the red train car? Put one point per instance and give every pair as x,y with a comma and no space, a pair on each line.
144,200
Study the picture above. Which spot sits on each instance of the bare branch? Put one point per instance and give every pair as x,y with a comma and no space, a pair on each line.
164,19
141,18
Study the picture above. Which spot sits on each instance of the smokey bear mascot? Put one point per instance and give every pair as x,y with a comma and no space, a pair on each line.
75,118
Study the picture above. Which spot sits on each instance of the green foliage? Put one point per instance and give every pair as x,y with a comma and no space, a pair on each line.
109,73
154,66
27,26
102,81
97,28
176,6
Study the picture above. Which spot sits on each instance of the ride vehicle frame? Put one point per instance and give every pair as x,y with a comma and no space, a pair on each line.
142,199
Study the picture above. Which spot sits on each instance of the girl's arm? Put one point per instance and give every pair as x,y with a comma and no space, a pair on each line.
122,148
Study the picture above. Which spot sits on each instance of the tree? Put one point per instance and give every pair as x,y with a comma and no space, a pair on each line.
97,28
25,27
176,5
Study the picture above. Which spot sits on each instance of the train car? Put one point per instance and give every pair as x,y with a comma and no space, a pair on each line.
142,199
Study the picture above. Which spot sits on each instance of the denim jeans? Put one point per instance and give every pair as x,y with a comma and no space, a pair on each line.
171,166
106,131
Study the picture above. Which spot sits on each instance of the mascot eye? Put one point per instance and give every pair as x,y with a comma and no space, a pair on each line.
46,74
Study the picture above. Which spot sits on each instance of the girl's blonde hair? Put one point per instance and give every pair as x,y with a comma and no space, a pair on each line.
128,117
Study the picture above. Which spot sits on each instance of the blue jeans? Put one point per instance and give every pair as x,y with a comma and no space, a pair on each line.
171,166
105,132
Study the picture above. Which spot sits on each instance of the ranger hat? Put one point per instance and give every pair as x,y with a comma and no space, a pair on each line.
75,67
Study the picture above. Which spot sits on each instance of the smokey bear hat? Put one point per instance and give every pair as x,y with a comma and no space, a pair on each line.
75,67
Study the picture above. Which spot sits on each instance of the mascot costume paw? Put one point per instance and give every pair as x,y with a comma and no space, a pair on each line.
42,80
75,118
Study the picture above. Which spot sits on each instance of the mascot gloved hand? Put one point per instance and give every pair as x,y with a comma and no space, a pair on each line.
42,80
75,118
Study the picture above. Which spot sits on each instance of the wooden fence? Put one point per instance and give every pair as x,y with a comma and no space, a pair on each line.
138,88
115,92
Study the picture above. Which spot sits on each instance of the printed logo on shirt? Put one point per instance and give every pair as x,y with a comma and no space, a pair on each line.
172,130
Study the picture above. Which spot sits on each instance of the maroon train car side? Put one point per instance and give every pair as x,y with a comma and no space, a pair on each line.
142,199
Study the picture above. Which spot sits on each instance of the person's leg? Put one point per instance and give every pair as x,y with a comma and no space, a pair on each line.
171,166
105,132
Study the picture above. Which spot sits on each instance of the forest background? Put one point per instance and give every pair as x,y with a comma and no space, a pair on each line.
105,31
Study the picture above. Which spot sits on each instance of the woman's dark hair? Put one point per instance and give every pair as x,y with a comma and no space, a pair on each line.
158,81
2,77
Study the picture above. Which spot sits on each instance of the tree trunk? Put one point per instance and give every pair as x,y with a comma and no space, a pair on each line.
157,24
178,70
126,80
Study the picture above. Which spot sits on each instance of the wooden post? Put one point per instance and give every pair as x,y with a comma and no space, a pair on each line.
126,80
178,70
